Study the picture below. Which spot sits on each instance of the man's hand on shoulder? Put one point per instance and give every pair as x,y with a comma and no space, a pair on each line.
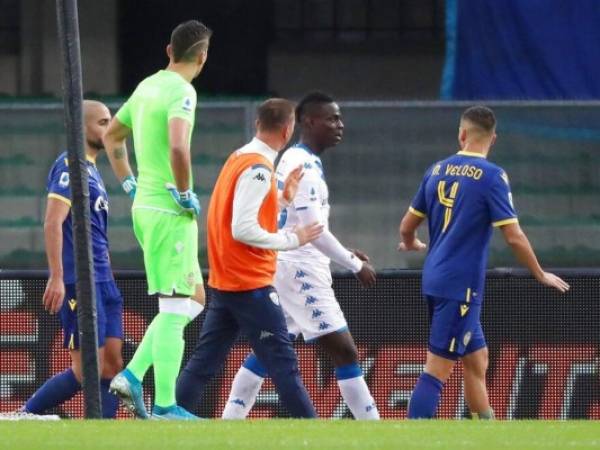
290,186
308,233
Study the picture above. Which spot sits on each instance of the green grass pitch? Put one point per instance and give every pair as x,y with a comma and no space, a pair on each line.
299,434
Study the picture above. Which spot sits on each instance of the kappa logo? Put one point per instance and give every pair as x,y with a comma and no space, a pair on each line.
260,177
300,274
238,401
265,334
324,326
316,313
310,300
306,287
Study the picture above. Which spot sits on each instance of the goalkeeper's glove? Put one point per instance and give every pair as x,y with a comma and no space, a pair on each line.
129,185
188,201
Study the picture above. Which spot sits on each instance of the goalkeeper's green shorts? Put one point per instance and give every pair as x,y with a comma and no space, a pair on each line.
170,245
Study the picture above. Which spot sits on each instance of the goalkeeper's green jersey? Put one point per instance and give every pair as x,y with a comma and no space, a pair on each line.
156,100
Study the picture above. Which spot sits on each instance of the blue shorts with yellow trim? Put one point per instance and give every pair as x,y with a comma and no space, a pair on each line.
109,312
454,327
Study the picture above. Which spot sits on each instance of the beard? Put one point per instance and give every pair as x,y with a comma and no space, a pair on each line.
96,145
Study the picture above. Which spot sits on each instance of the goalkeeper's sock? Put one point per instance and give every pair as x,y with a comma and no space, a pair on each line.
425,397
110,402
168,346
244,389
142,358
57,390
356,393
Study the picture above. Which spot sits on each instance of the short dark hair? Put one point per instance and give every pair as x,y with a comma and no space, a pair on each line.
309,100
274,114
189,38
480,116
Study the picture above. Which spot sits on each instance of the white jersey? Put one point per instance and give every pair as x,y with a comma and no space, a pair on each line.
312,191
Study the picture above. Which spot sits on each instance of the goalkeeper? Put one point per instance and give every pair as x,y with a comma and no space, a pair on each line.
160,113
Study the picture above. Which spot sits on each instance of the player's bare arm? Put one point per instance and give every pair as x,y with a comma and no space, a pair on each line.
56,213
179,152
518,242
408,233
116,148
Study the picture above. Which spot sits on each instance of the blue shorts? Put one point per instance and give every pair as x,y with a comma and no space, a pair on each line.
109,311
454,328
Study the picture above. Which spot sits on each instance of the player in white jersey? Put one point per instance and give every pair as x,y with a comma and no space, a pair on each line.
303,277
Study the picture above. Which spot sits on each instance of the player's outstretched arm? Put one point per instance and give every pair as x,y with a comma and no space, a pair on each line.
56,213
518,242
116,149
408,233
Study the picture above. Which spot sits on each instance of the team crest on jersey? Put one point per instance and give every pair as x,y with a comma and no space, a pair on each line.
101,204
187,104
72,304
274,298
190,279
63,181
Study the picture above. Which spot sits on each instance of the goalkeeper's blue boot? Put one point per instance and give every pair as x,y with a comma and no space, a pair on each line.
172,413
129,389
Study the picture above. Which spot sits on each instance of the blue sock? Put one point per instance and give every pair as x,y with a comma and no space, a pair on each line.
425,397
348,371
57,390
254,365
110,402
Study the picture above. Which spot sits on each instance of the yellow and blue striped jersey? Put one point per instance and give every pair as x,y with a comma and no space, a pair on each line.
462,197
